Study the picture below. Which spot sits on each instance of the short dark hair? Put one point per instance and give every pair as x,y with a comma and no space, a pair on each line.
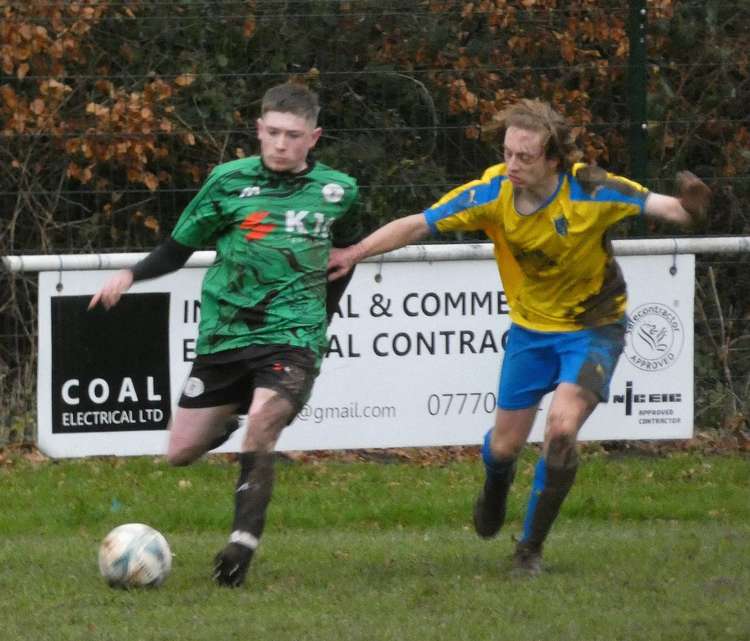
292,98
536,115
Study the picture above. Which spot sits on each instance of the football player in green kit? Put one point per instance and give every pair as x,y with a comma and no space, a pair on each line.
265,301
548,217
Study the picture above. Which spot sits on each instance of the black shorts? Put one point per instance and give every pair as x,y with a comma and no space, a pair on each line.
231,376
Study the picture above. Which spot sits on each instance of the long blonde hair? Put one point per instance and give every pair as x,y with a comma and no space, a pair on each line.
536,115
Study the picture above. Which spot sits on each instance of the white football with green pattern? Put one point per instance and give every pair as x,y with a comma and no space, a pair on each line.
134,555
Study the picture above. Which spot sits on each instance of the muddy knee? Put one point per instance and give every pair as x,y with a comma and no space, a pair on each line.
561,450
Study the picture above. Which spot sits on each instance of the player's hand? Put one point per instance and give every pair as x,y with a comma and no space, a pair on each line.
341,262
694,196
113,289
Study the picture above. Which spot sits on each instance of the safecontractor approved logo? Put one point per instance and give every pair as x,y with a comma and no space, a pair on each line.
654,338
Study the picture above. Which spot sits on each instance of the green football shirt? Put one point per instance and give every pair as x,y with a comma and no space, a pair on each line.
273,233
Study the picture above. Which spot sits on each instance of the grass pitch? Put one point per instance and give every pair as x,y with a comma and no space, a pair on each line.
645,549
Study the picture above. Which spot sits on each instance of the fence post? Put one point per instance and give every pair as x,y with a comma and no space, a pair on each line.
637,79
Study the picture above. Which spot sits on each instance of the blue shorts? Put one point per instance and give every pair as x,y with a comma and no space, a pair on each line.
535,363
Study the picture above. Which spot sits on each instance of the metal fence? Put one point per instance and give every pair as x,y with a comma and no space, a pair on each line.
383,122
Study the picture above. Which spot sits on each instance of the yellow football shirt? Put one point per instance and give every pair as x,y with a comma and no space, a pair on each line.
556,264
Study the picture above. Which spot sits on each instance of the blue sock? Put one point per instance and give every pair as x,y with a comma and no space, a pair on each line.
540,480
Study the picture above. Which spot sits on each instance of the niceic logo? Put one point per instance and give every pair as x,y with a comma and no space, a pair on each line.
630,398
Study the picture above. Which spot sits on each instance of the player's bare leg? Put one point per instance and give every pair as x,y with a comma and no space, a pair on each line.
555,472
193,431
501,448
269,414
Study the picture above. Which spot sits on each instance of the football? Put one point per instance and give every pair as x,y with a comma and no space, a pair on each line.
134,555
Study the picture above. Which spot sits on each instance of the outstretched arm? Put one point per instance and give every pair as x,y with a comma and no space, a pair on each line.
111,292
166,258
394,235
687,209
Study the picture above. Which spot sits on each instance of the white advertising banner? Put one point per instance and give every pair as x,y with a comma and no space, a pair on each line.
414,358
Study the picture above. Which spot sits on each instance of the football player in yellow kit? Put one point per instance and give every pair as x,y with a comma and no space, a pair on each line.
547,216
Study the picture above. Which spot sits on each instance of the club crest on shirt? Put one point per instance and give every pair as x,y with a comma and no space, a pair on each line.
194,387
333,193
561,225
